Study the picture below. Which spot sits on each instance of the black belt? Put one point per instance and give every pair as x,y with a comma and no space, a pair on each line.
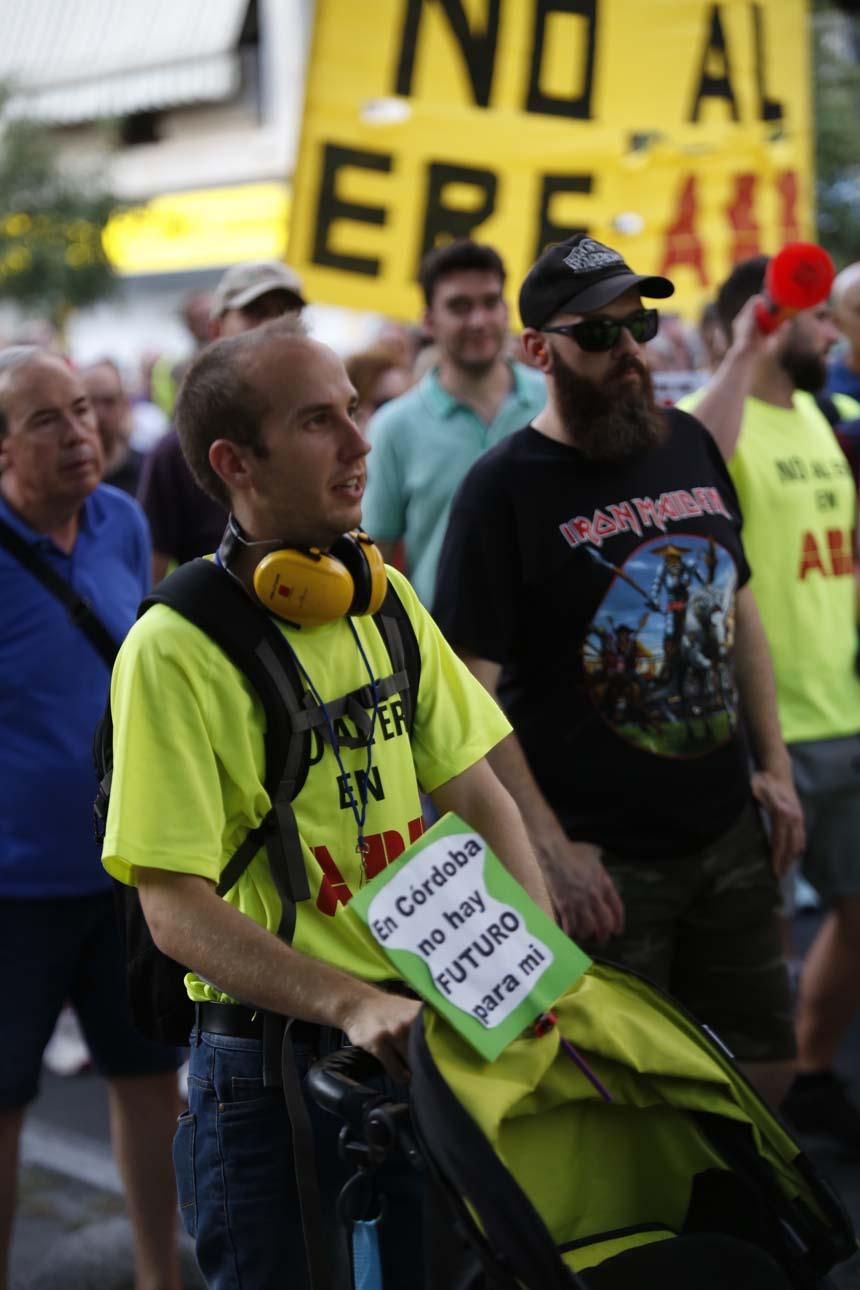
230,1019
248,1023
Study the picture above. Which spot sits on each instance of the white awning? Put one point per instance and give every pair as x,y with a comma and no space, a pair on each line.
80,60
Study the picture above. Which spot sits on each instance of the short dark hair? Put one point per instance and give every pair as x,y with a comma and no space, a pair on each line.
746,279
458,257
218,400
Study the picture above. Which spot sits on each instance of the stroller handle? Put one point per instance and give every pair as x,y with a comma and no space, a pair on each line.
335,1084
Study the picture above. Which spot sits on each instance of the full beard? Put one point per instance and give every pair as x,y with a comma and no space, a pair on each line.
807,371
609,422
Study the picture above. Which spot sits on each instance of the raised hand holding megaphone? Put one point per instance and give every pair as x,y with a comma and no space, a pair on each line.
798,277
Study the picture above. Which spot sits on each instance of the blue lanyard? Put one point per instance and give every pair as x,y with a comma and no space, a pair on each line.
360,811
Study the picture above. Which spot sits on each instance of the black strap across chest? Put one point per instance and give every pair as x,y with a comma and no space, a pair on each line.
212,600
79,610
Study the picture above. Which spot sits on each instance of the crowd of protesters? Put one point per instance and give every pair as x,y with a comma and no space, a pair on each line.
686,732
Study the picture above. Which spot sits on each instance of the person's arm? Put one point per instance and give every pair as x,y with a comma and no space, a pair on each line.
721,407
192,924
583,892
478,797
477,607
772,782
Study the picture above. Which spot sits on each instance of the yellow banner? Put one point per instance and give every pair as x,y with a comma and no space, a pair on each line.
677,131
206,229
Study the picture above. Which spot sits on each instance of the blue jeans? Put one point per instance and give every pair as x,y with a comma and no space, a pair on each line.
236,1180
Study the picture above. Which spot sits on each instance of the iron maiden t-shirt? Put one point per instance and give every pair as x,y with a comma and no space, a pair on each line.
607,593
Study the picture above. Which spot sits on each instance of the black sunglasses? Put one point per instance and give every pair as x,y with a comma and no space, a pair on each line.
599,335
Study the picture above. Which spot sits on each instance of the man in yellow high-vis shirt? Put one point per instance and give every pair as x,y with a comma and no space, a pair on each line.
266,420
800,513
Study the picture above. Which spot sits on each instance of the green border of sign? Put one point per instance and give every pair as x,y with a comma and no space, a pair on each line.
569,961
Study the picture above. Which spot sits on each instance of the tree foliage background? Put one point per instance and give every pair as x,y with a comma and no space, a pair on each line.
836,98
51,221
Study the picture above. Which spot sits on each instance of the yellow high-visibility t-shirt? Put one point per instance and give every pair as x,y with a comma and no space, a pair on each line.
847,407
189,769
799,508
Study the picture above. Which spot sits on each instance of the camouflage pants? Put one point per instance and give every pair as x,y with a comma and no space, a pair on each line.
704,927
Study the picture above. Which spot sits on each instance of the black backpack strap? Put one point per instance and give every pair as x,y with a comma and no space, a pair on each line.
80,612
398,636
395,628
216,603
503,1224
357,705
305,1167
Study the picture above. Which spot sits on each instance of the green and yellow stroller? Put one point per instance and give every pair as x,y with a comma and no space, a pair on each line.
617,1147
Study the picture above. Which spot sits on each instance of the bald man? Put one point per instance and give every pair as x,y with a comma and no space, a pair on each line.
266,420
843,376
58,935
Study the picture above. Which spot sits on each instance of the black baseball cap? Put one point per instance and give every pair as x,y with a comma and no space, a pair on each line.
579,276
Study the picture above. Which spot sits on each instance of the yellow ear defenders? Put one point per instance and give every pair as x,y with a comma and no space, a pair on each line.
313,587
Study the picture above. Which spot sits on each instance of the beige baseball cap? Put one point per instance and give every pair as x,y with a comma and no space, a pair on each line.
243,283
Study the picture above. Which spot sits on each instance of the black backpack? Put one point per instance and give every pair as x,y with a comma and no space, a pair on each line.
212,600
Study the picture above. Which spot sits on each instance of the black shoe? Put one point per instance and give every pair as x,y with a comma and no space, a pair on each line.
819,1104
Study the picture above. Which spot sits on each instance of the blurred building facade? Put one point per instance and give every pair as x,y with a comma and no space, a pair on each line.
192,109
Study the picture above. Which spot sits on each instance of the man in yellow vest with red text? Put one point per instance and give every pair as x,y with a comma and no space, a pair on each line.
799,505
266,421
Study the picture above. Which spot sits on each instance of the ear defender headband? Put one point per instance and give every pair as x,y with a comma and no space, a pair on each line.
312,587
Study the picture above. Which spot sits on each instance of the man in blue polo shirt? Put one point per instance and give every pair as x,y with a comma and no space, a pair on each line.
424,442
58,937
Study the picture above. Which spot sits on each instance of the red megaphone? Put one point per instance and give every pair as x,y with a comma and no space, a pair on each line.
798,277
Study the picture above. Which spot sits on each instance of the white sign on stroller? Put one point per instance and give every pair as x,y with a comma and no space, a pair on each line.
467,937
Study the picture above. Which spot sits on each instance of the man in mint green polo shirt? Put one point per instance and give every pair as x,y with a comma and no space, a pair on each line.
424,442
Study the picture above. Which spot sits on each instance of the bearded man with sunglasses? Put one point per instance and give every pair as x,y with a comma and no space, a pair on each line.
625,682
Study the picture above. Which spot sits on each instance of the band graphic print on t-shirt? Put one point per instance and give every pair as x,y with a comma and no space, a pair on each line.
657,657
636,514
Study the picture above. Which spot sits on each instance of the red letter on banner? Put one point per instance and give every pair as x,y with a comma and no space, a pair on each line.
787,190
683,244
741,213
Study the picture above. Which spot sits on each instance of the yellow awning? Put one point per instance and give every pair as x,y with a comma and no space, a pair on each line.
69,62
210,228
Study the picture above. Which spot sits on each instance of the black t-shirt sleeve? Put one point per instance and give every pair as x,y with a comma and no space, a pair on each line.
478,578
184,521
724,483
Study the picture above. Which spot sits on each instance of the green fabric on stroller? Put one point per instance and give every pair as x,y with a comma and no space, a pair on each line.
555,1187
685,1145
